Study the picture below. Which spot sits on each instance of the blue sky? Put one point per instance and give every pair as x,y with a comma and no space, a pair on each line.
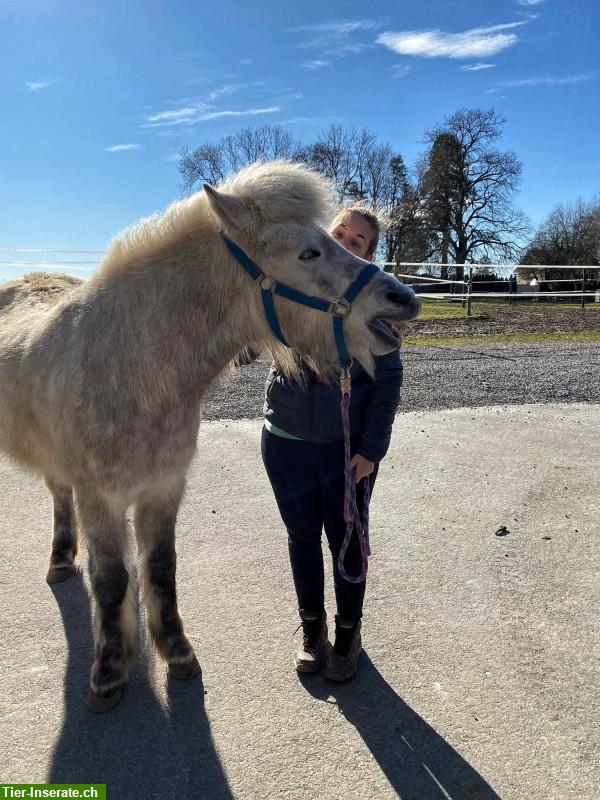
99,98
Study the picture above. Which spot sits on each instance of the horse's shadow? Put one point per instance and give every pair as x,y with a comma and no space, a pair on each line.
142,748
418,763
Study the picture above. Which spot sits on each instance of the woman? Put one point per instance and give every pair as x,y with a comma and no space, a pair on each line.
303,454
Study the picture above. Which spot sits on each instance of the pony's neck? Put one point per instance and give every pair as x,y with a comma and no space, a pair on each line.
199,313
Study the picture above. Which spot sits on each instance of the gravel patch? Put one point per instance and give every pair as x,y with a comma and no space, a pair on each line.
508,374
452,377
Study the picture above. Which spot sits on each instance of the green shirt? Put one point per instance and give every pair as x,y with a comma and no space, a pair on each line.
278,432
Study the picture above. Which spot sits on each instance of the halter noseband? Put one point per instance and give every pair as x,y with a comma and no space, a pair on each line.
339,309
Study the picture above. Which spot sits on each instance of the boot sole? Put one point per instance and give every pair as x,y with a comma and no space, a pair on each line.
309,667
340,678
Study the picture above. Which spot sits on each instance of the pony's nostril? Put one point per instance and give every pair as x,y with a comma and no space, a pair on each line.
401,298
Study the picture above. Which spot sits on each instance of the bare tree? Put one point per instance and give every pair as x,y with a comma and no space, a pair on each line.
264,143
405,235
457,208
211,162
341,154
206,164
570,235
467,190
362,169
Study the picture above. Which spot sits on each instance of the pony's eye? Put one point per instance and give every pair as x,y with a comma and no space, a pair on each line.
308,255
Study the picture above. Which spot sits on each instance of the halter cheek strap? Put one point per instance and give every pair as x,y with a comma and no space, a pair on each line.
339,309
342,307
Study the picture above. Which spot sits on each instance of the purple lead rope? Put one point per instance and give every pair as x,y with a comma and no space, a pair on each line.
351,515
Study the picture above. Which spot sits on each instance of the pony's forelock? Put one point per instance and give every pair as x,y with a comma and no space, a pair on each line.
283,191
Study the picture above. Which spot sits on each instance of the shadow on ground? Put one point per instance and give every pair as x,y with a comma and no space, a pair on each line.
141,748
418,763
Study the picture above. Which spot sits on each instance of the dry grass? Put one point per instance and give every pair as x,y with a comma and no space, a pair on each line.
519,338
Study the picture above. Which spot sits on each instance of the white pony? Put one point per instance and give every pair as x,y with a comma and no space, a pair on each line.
101,382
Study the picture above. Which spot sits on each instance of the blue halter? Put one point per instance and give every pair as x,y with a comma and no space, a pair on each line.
339,308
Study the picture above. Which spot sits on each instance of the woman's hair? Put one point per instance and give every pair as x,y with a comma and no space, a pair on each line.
367,214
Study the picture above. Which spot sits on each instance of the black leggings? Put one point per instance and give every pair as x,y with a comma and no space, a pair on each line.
308,482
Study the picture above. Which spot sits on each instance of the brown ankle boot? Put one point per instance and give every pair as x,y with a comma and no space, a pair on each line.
311,649
343,659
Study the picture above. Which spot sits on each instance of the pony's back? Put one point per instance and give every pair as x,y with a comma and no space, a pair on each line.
37,288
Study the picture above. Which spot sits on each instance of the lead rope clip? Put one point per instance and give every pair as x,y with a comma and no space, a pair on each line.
345,381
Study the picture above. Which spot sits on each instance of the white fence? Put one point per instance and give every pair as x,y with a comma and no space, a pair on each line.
526,288
45,259
35,259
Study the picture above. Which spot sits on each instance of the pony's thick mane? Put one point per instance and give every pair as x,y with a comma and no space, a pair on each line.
282,191
275,192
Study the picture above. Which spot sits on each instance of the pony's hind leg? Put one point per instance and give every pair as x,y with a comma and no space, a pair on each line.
105,530
155,531
64,534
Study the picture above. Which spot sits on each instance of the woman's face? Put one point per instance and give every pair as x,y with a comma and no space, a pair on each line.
355,234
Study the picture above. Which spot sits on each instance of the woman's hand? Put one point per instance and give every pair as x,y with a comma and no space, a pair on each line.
363,466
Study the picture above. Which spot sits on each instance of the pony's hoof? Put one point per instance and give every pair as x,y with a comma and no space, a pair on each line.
185,672
59,574
98,703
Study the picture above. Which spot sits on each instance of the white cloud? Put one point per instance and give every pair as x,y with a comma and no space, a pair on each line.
530,2
476,67
334,40
472,43
225,91
258,98
196,81
567,80
119,148
243,113
400,70
317,63
36,86
339,28
287,96
191,115
176,117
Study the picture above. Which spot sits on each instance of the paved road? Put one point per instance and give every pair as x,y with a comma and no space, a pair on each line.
480,677
454,377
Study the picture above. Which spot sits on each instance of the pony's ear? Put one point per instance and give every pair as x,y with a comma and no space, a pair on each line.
229,210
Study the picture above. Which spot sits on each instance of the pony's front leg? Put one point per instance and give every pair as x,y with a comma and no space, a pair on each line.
105,529
155,517
64,534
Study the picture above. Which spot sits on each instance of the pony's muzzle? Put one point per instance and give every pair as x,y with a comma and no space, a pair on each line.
402,302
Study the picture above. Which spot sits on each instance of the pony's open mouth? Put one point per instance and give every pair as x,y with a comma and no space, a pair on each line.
384,331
